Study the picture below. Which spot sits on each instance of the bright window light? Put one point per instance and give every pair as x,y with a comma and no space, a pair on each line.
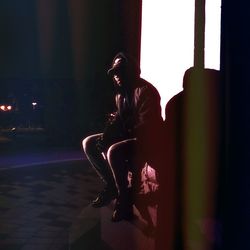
167,42
212,34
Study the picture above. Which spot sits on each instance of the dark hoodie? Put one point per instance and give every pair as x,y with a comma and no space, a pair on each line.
138,110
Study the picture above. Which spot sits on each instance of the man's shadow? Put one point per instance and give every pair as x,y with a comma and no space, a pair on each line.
193,109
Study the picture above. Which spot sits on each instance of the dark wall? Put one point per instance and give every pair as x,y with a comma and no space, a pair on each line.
235,195
19,40
66,48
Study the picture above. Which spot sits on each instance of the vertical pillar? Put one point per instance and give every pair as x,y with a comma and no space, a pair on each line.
199,35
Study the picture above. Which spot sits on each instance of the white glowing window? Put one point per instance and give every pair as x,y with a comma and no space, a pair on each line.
167,42
212,34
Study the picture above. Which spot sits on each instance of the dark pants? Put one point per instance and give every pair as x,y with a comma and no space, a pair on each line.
113,165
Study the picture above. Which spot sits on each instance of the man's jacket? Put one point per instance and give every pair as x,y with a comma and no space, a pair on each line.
137,115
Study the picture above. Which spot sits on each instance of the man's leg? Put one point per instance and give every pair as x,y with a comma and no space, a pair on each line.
100,164
121,156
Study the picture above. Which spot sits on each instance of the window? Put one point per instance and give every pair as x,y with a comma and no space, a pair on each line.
167,42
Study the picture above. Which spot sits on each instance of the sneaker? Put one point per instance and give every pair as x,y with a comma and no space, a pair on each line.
104,198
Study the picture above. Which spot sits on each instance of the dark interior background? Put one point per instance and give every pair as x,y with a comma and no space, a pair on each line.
57,52
235,199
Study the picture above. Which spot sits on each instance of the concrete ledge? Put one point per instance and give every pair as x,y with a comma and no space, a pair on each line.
125,235
85,232
94,230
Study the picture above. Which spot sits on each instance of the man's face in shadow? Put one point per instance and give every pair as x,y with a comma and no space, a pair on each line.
118,79
121,76
118,76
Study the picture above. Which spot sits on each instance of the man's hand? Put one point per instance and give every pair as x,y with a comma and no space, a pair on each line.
100,144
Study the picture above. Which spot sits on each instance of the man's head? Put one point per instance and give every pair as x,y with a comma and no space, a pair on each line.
123,68
194,77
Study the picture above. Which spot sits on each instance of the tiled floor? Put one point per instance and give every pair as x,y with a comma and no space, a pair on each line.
39,204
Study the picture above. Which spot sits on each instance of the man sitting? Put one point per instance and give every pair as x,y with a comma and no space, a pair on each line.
131,138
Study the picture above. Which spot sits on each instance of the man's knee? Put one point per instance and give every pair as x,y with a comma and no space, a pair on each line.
113,154
120,152
110,153
88,143
85,144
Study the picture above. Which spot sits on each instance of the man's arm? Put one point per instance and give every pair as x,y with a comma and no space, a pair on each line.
148,120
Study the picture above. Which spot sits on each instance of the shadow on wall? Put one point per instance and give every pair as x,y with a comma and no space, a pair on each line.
189,181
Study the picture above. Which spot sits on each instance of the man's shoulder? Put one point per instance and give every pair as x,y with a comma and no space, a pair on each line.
176,98
175,102
145,83
146,86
